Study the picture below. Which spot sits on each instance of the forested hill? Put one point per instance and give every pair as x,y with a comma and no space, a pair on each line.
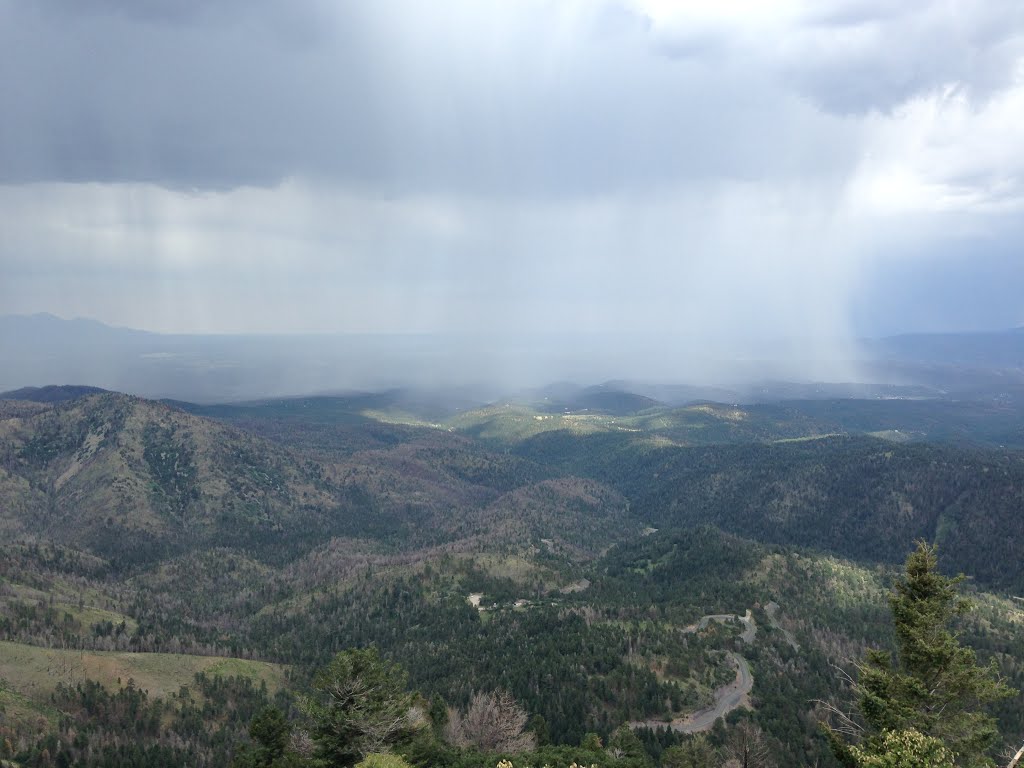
138,481
859,497
605,576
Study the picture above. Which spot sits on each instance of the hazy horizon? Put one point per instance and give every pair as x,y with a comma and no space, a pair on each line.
43,349
896,332
49,350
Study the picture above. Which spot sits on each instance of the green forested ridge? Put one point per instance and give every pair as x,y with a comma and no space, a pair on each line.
136,527
859,497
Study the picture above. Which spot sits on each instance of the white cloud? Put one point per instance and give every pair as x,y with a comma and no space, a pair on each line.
942,152
853,56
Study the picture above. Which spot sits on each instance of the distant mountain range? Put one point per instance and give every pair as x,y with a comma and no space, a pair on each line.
40,350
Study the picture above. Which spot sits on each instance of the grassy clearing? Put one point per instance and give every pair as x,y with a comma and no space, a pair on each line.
35,672
517,569
87,617
83,617
56,588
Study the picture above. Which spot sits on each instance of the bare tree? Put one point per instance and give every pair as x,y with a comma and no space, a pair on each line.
493,722
746,747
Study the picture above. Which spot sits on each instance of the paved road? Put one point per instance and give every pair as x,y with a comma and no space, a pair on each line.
750,627
772,609
727,698
735,694
747,620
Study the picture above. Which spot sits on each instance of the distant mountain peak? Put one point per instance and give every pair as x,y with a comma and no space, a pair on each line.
53,393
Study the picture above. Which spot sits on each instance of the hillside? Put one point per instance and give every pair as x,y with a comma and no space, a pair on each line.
50,394
36,672
128,708
860,497
136,480
607,573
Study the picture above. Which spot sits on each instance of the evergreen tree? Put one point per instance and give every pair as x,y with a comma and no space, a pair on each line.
362,708
935,688
905,749
382,760
271,734
271,731
693,753
625,746
538,726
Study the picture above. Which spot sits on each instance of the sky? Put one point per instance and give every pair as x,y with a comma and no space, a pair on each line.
725,170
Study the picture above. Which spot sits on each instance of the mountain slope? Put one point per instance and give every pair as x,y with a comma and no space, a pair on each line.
858,497
136,479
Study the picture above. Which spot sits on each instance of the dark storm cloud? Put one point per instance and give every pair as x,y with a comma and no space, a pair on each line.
725,170
395,95
180,94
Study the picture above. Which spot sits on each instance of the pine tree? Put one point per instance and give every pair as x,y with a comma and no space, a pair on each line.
905,749
362,707
693,753
935,688
625,746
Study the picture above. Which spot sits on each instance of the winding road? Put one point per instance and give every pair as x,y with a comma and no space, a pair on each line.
772,609
727,698
747,620
732,695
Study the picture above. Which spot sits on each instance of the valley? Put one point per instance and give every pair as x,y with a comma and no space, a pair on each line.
620,570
